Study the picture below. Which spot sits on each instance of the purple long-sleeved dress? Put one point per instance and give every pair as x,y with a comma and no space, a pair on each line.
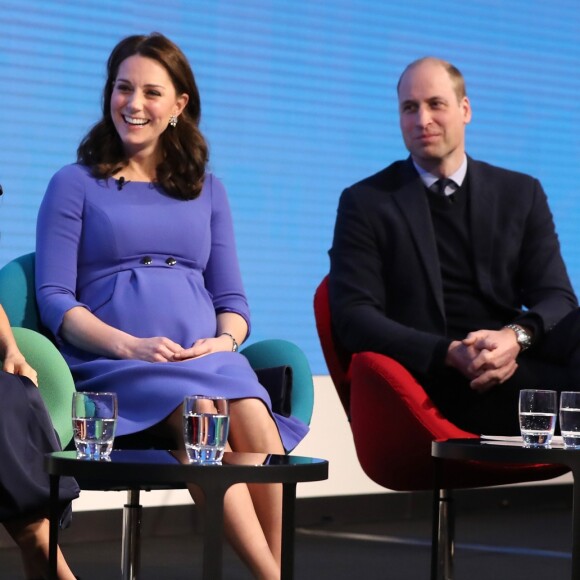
150,265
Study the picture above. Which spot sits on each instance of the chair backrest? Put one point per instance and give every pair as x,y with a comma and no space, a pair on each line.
337,358
17,293
277,352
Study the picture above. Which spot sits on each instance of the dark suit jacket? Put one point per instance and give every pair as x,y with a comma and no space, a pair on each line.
385,282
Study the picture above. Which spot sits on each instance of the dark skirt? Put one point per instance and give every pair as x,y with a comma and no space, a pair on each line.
26,435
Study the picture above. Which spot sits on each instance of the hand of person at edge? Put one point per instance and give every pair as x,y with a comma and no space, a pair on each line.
16,364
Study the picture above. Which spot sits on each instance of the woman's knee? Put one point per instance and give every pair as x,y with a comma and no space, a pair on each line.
252,427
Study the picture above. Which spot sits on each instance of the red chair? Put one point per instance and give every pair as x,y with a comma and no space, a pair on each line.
394,422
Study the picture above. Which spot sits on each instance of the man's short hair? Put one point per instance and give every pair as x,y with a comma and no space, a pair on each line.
453,72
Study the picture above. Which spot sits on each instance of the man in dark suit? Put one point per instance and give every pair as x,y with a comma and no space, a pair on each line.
453,267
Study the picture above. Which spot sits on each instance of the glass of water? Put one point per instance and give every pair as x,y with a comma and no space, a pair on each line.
94,417
570,419
206,422
537,411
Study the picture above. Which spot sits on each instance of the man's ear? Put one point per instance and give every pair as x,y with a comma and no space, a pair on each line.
466,107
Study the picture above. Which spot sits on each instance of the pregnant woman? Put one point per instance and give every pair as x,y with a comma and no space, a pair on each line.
138,279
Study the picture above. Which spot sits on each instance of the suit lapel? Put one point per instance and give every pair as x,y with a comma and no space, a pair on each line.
412,201
483,200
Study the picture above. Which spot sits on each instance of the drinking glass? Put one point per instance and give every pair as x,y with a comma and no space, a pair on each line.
570,419
94,417
537,411
206,422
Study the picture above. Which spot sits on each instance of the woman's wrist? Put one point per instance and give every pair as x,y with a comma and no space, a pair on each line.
235,345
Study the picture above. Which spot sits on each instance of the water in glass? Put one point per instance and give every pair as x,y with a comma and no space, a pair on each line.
205,436
537,428
94,418
94,437
570,427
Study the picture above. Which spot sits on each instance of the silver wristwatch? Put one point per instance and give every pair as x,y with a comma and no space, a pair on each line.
523,337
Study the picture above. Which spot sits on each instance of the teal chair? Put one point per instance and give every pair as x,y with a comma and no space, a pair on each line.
18,298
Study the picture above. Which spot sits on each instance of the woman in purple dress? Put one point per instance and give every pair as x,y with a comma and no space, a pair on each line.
26,434
137,277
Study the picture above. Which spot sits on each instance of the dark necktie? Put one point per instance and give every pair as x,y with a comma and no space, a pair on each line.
440,186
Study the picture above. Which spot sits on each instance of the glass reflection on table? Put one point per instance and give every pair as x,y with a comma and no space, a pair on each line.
229,458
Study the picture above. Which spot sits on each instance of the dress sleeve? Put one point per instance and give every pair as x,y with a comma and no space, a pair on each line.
223,278
58,233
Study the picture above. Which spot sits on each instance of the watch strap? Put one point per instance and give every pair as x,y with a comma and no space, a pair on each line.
523,337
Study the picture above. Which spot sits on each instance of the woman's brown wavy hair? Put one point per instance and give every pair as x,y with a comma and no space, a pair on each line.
185,152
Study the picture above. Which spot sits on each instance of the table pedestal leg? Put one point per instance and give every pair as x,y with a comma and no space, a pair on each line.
443,528
576,526
213,521
288,530
53,526
446,535
131,550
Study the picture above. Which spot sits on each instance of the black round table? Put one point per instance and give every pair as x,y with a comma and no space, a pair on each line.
152,469
496,451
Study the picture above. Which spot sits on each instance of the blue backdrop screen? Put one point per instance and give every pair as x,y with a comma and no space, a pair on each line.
298,102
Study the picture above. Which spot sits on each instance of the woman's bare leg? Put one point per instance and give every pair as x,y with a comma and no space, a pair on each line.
242,524
252,429
32,537
246,535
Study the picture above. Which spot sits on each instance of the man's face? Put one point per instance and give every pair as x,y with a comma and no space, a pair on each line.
432,118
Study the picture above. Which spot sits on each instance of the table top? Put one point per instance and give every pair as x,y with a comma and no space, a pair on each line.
508,450
145,468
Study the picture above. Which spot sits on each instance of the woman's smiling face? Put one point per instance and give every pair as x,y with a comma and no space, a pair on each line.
142,102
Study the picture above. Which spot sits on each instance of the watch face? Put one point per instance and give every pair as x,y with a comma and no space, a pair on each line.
523,338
